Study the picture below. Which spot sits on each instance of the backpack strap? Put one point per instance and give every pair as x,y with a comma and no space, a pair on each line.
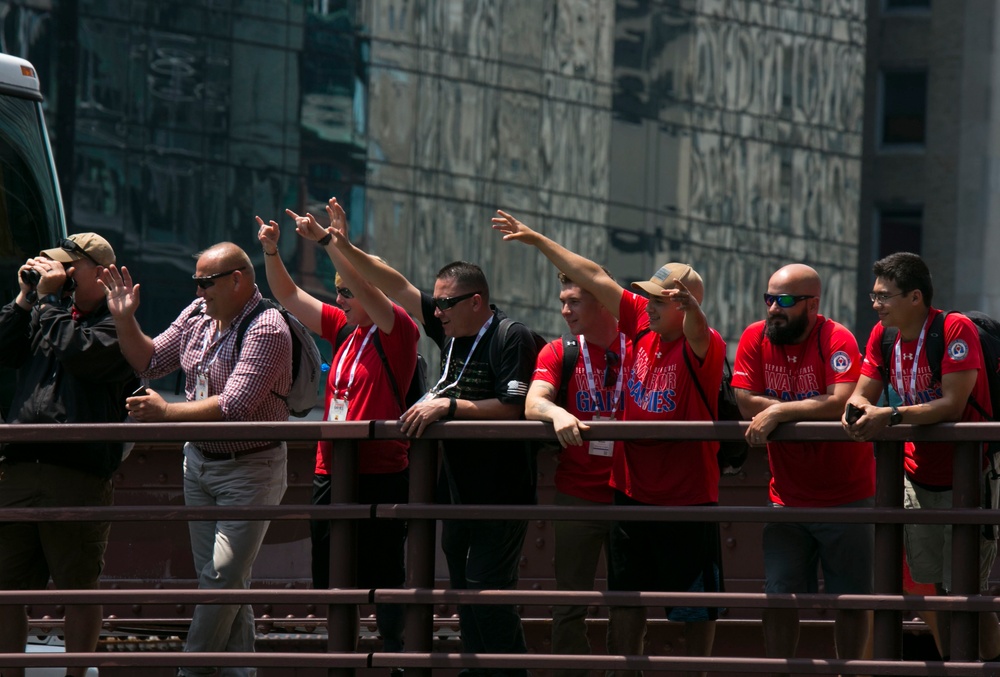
934,345
261,306
388,372
694,377
571,353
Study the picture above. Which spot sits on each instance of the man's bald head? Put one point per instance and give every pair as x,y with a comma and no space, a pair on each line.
796,278
228,256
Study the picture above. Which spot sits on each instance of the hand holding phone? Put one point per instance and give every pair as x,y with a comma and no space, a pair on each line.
141,391
852,414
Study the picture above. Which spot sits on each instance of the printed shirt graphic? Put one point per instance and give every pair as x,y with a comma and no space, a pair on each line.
808,474
580,473
659,388
930,463
371,396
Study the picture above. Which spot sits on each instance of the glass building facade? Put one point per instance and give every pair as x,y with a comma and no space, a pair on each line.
722,133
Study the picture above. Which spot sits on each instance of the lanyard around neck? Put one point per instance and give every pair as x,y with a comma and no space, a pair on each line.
357,358
589,370
437,389
898,356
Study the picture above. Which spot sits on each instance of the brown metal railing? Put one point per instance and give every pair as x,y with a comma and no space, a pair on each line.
420,595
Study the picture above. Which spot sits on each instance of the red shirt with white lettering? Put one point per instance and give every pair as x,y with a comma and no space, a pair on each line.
579,472
370,396
930,463
660,387
808,474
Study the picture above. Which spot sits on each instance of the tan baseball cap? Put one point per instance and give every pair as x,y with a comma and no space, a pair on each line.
82,246
667,275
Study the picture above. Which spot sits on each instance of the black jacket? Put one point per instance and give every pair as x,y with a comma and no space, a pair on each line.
67,372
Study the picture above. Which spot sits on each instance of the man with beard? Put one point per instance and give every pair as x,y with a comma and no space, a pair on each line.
799,366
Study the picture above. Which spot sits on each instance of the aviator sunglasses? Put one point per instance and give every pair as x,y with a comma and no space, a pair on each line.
209,280
785,300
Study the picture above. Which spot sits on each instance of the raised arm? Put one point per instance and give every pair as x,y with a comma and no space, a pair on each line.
123,301
586,273
302,305
376,304
365,266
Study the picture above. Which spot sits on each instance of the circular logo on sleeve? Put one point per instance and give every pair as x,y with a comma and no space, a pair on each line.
958,350
840,361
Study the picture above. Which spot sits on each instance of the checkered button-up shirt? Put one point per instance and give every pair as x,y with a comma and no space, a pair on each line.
250,384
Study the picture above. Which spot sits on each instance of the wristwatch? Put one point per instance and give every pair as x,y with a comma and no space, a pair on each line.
896,417
51,299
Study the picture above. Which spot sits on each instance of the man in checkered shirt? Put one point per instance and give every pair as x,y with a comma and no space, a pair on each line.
221,385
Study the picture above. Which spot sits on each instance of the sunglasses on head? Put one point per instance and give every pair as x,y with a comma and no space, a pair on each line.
207,281
785,300
68,245
345,292
452,301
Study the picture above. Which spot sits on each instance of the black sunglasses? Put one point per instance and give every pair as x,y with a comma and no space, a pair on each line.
208,280
345,292
612,362
785,300
452,301
68,245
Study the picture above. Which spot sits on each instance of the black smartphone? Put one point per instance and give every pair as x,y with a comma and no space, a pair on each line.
139,392
852,414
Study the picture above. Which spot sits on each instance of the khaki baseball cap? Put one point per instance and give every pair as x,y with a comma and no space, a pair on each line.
82,246
667,275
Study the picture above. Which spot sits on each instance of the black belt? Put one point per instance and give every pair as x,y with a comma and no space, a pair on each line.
232,455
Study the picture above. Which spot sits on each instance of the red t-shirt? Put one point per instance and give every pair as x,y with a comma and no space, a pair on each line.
370,396
930,463
808,474
660,388
579,472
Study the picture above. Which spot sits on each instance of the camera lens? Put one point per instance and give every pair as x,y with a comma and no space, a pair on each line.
31,277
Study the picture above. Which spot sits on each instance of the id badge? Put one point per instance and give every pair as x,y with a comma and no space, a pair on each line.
201,387
601,447
338,410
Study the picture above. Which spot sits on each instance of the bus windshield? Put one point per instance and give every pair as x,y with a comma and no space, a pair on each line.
31,216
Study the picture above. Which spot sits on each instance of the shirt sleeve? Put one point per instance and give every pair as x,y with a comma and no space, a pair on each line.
264,366
517,362
632,317
747,371
843,359
961,345
873,354
548,366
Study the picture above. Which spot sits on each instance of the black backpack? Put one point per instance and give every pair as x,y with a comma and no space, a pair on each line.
418,384
989,342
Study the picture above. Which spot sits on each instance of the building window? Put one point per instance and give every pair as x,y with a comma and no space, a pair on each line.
904,108
906,5
900,229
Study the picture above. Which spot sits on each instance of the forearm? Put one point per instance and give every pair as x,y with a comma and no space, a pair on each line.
751,404
135,345
696,330
487,410
537,408
200,410
281,283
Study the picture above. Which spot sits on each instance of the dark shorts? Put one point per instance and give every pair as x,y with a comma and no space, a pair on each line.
666,557
72,553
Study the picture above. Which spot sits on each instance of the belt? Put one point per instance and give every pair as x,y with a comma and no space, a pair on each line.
233,455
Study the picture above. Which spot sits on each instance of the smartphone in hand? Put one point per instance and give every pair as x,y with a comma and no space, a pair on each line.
852,414
139,392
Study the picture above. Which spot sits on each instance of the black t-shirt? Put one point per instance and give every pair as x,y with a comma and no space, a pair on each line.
486,471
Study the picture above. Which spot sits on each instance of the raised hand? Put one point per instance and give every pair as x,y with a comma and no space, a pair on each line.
338,223
680,295
122,295
513,229
307,226
268,235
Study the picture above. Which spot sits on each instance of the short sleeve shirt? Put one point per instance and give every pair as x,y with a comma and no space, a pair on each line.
930,463
660,387
370,396
808,474
579,472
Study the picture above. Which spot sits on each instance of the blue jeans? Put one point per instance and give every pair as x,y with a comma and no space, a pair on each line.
224,551
485,555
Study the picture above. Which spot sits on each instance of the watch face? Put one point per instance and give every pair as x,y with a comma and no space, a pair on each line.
896,417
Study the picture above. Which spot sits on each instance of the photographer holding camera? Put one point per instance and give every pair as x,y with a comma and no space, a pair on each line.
61,339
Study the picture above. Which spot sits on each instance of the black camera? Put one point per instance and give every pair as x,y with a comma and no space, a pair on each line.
33,277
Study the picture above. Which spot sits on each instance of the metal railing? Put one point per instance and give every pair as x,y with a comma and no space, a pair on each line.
419,595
